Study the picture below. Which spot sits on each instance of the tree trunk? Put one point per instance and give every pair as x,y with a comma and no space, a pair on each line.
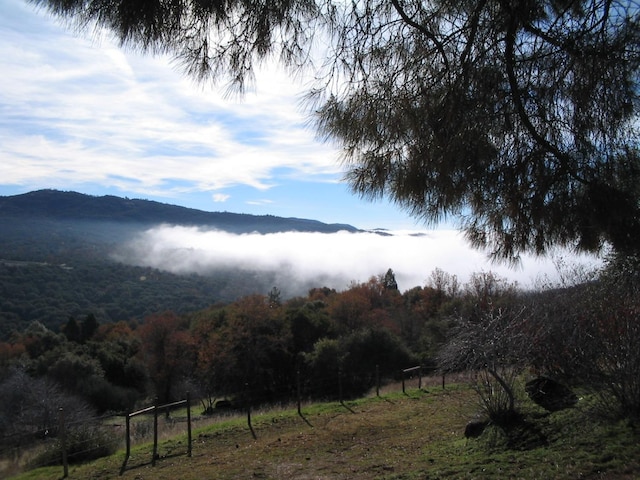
505,386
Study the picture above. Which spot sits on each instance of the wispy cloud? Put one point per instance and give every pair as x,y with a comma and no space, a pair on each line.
335,260
134,122
260,202
79,113
220,197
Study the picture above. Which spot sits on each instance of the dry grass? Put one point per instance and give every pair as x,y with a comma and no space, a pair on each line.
414,436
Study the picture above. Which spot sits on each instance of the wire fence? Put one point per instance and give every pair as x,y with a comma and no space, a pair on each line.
60,443
67,441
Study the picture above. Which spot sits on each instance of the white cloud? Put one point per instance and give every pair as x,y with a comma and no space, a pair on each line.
260,202
78,111
220,197
81,114
333,260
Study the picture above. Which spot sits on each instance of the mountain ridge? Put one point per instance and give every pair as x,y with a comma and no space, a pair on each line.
69,205
66,254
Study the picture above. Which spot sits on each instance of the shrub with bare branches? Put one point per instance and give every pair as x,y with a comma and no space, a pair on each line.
493,345
589,335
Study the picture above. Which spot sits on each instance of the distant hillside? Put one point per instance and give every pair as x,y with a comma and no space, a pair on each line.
54,204
57,259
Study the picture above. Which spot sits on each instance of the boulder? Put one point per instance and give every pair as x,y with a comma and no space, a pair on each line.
550,395
475,428
224,405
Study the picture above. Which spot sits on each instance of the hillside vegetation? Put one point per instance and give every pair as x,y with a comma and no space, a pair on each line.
59,258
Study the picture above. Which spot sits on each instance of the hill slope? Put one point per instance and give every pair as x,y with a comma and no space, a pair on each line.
417,435
57,259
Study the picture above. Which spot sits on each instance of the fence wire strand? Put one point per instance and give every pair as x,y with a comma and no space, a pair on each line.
17,448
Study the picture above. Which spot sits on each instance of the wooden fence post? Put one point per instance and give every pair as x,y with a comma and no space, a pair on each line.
188,424
253,433
128,442
155,434
403,391
298,390
156,410
377,380
412,369
128,429
63,444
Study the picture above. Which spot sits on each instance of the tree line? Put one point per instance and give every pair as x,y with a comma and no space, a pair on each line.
256,346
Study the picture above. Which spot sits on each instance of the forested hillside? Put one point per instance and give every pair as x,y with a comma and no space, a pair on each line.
57,259
50,293
57,205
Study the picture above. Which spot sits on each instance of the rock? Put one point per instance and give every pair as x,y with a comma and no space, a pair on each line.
224,405
475,428
550,395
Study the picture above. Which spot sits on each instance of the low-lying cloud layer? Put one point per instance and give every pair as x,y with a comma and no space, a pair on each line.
316,259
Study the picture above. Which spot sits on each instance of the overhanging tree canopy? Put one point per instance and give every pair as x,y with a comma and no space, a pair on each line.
518,117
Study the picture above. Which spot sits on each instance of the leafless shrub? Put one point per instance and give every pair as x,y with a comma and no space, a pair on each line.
31,405
84,442
589,335
494,346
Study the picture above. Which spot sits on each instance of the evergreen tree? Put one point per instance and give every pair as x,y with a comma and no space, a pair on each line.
89,327
389,281
517,117
72,330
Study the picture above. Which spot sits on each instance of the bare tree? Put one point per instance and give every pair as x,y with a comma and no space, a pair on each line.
30,405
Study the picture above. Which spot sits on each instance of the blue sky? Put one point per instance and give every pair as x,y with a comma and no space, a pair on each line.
79,113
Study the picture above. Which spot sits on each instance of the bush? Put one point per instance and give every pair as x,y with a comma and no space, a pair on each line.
589,336
494,344
356,356
31,405
84,443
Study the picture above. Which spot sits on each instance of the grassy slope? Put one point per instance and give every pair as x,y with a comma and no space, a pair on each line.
413,436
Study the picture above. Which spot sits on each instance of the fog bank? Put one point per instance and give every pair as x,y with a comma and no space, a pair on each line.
335,260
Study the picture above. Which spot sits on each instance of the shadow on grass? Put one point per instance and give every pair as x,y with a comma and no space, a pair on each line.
347,407
305,419
517,433
126,467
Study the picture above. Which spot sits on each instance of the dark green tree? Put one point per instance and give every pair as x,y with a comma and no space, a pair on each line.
275,297
309,323
517,117
389,281
244,350
354,357
72,330
89,326
168,353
